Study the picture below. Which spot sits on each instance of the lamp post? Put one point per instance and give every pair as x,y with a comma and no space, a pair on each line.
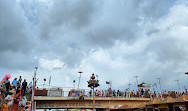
93,83
74,84
137,81
184,86
178,85
97,76
79,79
109,87
154,85
33,91
160,85
44,82
129,87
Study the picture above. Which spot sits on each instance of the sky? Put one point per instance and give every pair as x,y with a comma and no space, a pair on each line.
114,39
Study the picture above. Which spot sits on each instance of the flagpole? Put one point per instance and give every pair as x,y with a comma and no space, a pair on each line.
33,91
160,86
49,82
79,79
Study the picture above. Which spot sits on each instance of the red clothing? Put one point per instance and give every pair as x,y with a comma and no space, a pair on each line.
15,106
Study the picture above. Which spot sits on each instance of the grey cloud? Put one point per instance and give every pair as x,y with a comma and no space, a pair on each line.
100,22
72,57
167,48
165,57
16,39
16,61
150,32
91,25
73,14
74,30
156,8
161,57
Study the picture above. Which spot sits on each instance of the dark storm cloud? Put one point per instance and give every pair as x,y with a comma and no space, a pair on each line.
70,14
118,24
99,23
15,37
105,23
95,24
116,38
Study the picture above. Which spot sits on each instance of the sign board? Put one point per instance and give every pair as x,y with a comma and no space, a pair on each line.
40,92
67,104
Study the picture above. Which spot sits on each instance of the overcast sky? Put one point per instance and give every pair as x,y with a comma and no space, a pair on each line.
115,39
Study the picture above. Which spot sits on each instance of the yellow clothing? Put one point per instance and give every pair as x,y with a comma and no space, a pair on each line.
5,107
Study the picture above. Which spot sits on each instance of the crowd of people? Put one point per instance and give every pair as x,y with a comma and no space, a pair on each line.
133,93
142,94
16,95
13,95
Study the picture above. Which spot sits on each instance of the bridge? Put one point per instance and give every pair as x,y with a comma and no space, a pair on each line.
45,102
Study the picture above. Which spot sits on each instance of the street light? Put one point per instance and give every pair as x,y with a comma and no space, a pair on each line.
129,87
93,83
109,87
74,83
137,81
33,91
79,79
178,85
44,82
160,85
97,76
186,73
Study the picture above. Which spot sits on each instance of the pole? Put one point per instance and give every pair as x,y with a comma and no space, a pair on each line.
110,88
93,98
79,79
35,105
129,87
137,81
160,85
74,84
97,77
33,91
153,88
43,84
49,82
33,95
178,85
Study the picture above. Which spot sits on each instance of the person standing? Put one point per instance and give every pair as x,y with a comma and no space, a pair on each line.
20,80
16,102
18,88
30,87
7,86
4,84
24,86
102,93
118,93
6,81
14,82
6,107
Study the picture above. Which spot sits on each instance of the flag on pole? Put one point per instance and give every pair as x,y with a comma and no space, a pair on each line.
50,80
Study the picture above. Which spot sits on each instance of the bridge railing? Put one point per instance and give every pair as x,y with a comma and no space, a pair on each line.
98,94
